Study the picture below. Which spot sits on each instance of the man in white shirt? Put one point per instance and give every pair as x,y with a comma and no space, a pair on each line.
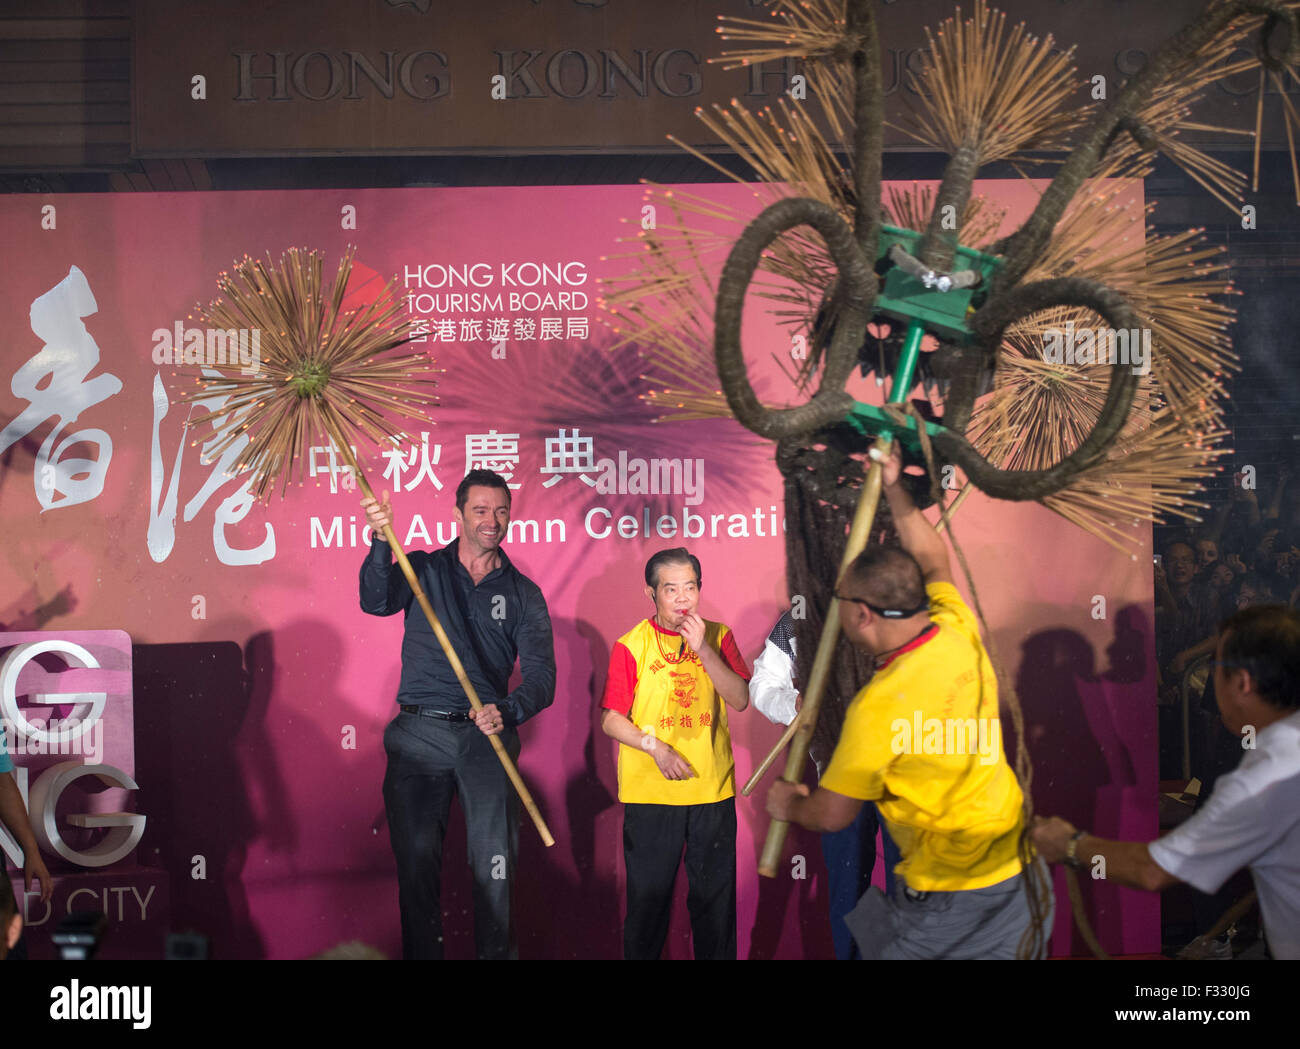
1253,817
850,854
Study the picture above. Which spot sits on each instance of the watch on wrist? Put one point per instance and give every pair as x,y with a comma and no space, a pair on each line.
1071,859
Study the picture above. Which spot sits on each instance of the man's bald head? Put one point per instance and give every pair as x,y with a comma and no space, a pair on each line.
886,576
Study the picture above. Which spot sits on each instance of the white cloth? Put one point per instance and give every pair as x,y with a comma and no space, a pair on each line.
1251,820
771,688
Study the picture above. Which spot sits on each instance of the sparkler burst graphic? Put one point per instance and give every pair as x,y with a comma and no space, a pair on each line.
326,365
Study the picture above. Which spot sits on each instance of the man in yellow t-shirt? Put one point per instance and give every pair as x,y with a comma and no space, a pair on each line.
923,740
671,679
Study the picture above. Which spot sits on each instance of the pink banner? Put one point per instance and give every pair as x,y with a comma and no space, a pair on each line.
260,689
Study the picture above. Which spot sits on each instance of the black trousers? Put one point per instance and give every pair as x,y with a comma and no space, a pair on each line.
429,763
653,837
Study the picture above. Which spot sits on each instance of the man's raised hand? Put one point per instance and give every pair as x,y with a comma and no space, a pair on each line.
891,464
693,631
378,515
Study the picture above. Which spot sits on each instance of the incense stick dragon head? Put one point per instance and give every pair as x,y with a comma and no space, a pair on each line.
1107,447
1081,437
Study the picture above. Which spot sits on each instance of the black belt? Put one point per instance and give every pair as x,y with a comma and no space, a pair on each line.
429,712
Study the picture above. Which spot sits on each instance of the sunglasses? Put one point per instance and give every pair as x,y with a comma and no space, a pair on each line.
887,613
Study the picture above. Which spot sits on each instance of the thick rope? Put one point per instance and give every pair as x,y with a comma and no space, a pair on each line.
1038,888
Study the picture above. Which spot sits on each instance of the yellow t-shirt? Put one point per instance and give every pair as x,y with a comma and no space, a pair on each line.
669,695
923,741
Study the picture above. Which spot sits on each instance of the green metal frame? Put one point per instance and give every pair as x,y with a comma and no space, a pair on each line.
906,298
903,297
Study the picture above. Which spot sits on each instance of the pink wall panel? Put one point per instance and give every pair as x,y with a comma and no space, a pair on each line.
240,715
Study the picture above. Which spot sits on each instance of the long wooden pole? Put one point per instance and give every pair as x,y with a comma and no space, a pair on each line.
863,518
511,771
772,755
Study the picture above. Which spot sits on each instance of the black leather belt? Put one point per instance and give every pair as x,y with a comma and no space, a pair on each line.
429,712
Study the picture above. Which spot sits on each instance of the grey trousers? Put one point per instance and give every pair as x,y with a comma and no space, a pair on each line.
430,762
972,923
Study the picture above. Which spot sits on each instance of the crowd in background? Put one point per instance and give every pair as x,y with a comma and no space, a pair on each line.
1245,551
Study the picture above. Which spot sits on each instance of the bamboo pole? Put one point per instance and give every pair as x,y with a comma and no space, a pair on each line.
953,507
772,754
511,771
863,518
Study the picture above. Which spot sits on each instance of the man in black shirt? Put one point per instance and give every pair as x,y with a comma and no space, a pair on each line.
437,746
